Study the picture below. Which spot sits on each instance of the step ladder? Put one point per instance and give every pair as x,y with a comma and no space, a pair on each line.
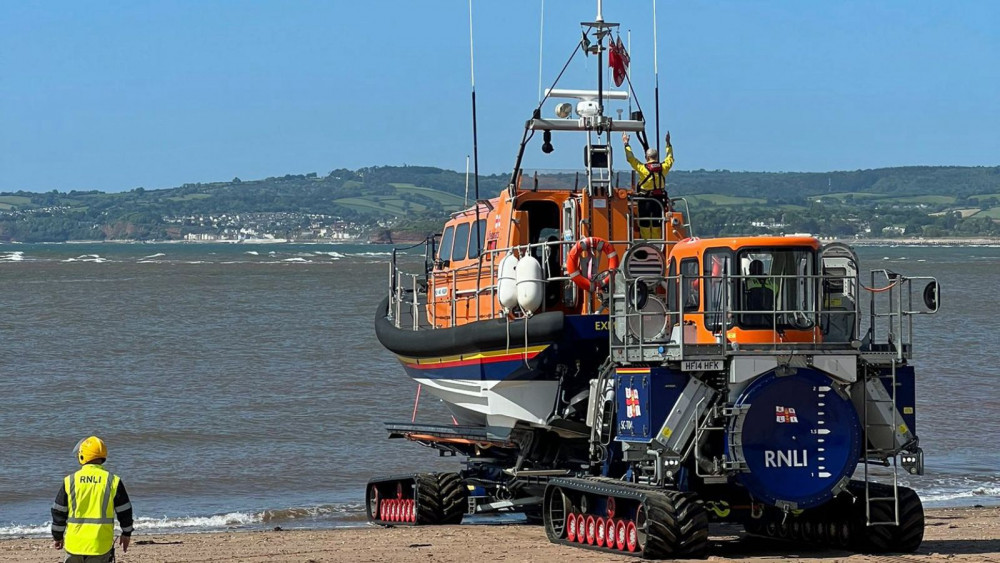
598,163
880,403
604,411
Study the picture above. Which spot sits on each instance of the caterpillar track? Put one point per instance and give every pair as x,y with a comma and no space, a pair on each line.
417,499
608,515
843,523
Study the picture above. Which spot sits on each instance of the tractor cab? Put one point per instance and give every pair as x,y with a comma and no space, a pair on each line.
751,290
722,294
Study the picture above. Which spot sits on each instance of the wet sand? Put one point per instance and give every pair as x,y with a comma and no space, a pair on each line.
955,534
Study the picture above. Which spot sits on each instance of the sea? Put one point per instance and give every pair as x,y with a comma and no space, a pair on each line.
240,386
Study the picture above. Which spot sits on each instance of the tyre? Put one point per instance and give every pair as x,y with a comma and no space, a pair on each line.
428,497
454,498
672,525
903,538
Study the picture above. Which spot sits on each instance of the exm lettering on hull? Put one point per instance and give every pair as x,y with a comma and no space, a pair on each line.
786,458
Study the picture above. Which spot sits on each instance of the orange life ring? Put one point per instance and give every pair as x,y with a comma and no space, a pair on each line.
573,260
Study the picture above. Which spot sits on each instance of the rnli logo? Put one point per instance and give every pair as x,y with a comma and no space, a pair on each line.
785,415
786,458
632,402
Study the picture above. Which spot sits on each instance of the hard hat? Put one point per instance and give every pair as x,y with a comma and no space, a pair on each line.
91,448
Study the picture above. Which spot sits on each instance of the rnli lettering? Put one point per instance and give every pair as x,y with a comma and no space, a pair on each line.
786,458
601,326
94,479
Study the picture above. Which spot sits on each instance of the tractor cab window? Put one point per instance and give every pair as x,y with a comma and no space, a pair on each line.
718,301
777,288
672,286
690,284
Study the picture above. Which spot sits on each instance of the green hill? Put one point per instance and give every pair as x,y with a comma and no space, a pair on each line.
923,200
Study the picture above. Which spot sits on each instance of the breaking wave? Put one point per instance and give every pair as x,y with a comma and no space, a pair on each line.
87,258
329,515
990,495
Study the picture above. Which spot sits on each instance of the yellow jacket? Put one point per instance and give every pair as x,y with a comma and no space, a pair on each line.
658,181
90,526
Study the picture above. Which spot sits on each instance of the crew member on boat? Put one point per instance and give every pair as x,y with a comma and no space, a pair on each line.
652,184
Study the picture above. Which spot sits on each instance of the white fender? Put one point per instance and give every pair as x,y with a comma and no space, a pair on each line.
507,282
530,284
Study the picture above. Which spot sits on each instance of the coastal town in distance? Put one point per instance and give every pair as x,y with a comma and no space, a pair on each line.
387,204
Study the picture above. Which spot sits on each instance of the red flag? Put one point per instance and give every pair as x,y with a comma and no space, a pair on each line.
623,54
614,61
618,60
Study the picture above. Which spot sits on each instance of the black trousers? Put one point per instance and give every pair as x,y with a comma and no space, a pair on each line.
108,557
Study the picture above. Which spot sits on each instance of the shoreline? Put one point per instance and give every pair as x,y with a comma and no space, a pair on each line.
942,241
957,534
936,241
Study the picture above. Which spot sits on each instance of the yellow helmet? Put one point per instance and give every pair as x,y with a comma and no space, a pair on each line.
90,449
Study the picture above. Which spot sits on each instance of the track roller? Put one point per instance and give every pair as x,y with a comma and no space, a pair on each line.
615,516
419,499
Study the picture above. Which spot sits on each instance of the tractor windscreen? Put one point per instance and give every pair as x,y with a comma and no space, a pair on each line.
778,288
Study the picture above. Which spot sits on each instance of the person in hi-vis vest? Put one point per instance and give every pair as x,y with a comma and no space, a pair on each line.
83,515
652,184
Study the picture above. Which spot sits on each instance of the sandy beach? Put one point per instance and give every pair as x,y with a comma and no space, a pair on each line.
955,534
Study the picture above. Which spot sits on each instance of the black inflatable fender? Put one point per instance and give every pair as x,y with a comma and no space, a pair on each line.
477,336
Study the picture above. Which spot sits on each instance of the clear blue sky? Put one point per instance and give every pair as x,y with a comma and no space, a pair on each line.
116,95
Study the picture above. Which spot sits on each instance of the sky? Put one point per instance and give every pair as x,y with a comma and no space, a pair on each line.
114,95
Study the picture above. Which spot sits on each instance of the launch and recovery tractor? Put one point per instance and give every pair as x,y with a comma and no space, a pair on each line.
625,384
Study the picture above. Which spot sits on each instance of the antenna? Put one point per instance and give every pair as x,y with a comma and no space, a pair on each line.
466,180
541,33
656,80
475,134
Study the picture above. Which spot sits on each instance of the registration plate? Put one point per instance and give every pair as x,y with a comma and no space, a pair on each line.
701,365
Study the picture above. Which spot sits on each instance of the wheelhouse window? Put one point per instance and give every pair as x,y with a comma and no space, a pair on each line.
478,234
444,252
461,241
777,288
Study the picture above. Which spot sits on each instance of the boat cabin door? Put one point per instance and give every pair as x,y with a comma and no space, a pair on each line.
570,233
839,309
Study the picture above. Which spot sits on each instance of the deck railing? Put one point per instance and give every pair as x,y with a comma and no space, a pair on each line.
660,330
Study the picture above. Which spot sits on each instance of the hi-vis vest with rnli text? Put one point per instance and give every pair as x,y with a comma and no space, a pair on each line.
90,493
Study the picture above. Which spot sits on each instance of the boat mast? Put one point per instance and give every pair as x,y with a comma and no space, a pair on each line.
600,59
590,107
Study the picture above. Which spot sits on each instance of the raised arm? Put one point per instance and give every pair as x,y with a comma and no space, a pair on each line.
632,160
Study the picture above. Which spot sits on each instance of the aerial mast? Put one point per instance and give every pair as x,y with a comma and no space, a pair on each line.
600,58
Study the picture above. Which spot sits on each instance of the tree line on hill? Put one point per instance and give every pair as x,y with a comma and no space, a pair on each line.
917,201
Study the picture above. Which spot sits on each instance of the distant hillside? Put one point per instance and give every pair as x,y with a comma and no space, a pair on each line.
903,200
955,181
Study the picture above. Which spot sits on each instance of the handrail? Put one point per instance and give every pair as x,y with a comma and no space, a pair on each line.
889,320
815,315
